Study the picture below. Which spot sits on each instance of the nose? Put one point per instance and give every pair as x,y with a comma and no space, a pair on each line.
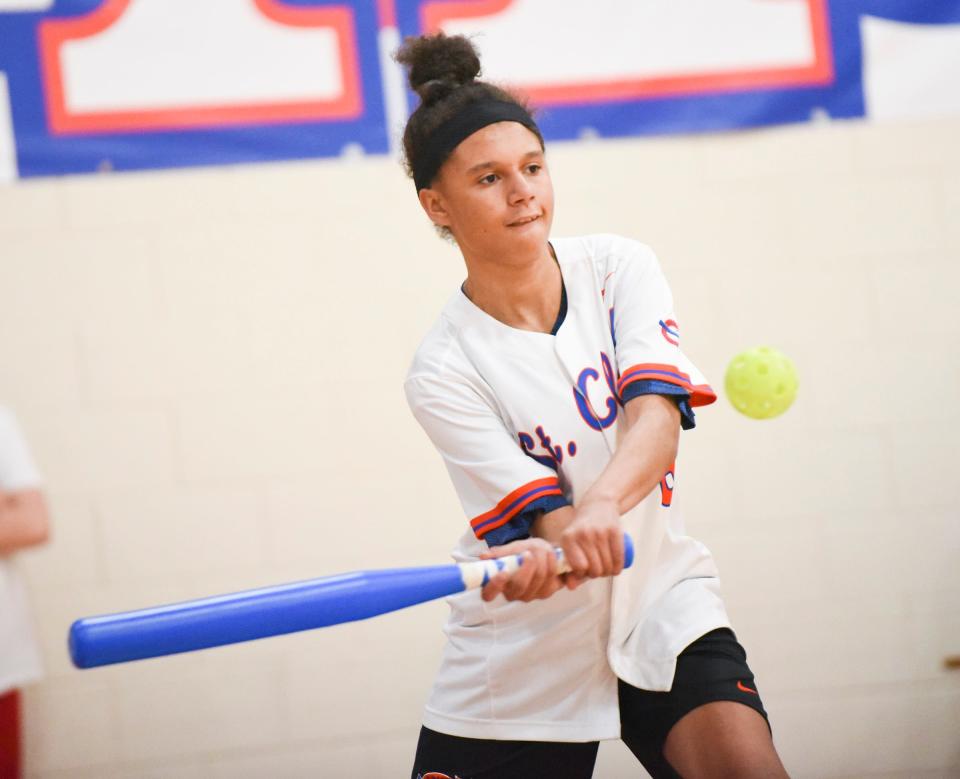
520,189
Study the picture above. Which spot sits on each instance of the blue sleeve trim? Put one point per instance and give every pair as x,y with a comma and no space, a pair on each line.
653,387
519,526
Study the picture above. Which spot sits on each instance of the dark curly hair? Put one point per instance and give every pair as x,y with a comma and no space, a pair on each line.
443,70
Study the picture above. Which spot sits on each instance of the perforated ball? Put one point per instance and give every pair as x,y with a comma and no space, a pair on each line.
761,383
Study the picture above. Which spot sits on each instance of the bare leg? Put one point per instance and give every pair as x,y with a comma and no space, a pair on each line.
723,740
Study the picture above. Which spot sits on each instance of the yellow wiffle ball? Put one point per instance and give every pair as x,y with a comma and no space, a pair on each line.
761,382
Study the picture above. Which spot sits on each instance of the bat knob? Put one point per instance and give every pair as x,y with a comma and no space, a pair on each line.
627,550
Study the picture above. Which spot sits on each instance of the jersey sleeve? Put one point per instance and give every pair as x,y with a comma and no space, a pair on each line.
501,489
17,469
647,336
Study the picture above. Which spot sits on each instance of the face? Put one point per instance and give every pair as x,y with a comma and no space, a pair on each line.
494,193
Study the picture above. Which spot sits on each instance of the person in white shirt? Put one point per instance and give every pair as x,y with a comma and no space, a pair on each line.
554,388
23,523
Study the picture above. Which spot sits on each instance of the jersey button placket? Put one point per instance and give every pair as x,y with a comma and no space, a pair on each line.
574,357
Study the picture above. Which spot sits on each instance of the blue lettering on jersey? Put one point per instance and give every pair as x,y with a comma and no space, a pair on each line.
554,454
583,404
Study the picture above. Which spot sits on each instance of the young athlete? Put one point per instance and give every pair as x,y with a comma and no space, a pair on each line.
554,388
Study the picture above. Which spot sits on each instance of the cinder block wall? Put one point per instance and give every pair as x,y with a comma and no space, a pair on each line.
208,366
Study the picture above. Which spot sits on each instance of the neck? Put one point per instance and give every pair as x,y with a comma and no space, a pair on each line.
523,293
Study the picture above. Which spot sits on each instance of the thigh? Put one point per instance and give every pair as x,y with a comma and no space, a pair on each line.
440,756
723,738
713,668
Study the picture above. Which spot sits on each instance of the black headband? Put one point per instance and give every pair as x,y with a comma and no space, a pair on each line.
472,117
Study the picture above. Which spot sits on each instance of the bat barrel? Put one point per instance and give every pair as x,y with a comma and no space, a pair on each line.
253,614
273,611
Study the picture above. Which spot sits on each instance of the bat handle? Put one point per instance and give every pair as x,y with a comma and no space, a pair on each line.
479,572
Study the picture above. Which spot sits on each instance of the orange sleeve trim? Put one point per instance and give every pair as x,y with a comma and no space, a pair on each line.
513,504
700,394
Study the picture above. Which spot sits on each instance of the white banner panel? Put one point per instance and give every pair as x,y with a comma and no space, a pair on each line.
910,70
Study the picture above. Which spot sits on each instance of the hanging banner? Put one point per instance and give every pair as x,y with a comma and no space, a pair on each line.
99,85
126,84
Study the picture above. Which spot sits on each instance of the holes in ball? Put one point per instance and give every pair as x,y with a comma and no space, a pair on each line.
762,368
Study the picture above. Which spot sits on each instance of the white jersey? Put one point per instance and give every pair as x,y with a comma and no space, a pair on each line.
19,653
527,421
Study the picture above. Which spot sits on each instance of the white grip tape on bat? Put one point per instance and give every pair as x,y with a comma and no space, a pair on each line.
479,572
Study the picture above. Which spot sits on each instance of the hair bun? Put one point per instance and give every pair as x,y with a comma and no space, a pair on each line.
438,64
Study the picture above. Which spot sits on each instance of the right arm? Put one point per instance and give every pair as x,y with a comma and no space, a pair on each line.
23,511
501,489
24,520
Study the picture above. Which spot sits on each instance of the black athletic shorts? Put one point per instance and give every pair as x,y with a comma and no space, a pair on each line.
712,668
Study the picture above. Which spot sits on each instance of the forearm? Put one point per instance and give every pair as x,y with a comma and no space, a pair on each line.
644,455
23,520
550,526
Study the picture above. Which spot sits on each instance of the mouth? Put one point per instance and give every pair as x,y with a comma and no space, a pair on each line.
524,221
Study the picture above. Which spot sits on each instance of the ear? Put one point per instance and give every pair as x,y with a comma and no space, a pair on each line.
433,205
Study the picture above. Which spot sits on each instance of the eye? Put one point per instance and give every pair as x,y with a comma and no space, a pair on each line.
534,167
490,178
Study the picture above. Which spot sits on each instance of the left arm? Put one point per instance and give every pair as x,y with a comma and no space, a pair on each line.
590,533
643,456
647,354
